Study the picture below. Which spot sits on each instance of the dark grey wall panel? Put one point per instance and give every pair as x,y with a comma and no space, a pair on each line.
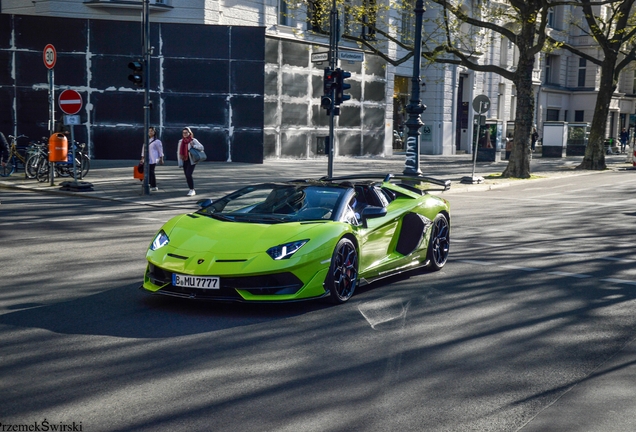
295,54
269,145
72,70
349,116
317,86
294,114
294,145
127,41
34,33
196,76
248,146
5,31
247,112
271,50
197,41
247,77
30,69
270,113
183,110
271,83
242,44
5,68
6,111
34,114
294,84
374,143
374,91
349,144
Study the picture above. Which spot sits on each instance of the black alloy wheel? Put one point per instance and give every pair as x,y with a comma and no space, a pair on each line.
439,244
343,272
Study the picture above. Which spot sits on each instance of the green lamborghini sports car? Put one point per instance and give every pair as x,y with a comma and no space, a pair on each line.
302,239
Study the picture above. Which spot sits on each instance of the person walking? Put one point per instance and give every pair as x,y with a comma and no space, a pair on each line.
624,139
155,155
534,138
187,142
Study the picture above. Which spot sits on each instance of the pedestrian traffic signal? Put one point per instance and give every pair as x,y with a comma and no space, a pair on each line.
328,81
137,77
341,86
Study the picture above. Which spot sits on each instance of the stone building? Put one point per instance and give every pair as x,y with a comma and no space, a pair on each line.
241,74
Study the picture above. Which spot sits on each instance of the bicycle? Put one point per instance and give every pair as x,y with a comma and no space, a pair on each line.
14,157
65,169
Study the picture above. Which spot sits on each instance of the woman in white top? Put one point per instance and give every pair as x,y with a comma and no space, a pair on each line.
155,150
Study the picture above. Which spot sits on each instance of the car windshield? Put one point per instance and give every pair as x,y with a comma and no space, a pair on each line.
275,203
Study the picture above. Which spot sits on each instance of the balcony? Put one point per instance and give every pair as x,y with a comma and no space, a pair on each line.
155,5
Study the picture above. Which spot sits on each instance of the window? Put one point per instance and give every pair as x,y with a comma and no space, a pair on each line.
369,19
283,13
318,12
552,115
582,68
579,115
551,69
408,21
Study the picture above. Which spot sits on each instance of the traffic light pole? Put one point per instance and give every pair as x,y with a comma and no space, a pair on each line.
146,71
415,107
334,34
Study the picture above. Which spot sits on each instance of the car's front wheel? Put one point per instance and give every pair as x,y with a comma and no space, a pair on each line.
439,244
343,272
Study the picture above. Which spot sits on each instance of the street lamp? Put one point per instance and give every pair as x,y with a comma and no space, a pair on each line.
415,107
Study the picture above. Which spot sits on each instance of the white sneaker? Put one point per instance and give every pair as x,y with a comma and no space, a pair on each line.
154,189
192,192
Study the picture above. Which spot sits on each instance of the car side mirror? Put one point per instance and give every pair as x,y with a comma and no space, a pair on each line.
203,203
372,212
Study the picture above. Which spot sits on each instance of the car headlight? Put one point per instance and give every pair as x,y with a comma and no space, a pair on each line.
161,239
286,250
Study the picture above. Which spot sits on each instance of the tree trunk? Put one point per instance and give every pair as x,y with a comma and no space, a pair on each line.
594,158
519,163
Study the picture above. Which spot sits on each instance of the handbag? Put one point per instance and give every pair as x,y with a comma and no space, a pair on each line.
197,155
138,172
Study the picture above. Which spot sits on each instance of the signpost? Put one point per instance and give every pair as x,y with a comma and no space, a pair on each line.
70,103
49,56
481,105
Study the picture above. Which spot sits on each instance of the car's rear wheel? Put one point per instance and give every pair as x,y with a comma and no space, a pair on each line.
439,244
343,272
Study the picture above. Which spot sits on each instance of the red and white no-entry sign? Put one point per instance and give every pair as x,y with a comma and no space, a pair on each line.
49,55
70,102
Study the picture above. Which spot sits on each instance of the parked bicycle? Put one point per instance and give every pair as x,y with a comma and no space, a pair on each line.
65,169
15,157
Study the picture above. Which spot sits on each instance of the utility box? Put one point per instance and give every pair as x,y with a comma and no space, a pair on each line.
578,135
489,143
555,136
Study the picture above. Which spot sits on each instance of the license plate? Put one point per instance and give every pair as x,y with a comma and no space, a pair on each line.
203,282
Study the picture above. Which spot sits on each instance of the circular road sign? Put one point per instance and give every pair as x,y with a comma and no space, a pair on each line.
70,102
481,104
49,55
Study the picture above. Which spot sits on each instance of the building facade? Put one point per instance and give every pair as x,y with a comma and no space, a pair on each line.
272,108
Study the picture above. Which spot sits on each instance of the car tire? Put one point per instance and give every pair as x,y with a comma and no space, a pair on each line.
439,243
342,278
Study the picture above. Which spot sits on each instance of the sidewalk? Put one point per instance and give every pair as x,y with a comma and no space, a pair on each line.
113,179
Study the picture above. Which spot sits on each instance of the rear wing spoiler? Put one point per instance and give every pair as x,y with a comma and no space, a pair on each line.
446,184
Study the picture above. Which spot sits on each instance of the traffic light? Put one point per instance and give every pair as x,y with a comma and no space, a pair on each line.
328,81
341,86
137,76
325,102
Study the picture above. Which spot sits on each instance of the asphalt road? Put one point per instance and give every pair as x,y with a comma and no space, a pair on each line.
538,296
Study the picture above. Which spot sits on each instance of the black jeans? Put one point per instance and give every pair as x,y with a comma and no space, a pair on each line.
188,169
151,175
